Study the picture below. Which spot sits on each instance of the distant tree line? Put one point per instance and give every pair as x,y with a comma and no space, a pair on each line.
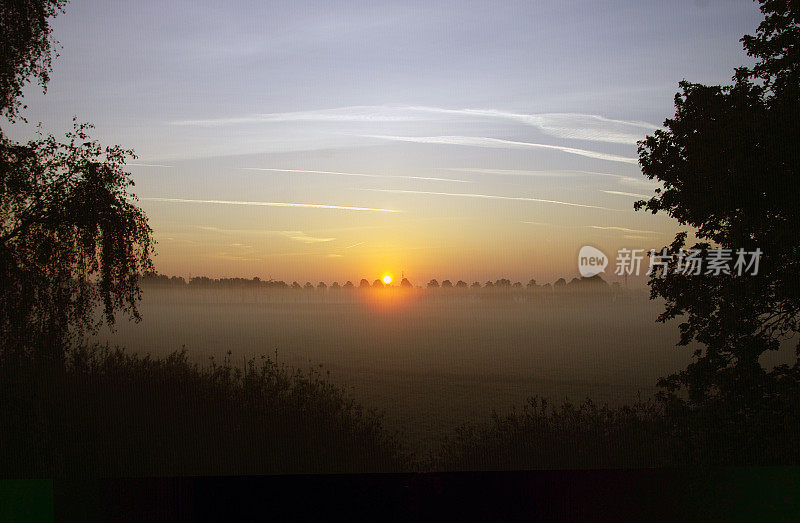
152,278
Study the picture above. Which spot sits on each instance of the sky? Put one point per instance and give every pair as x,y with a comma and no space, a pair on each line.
340,140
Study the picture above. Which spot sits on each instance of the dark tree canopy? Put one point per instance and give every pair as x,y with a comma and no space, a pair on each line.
776,45
729,162
27,47
71,238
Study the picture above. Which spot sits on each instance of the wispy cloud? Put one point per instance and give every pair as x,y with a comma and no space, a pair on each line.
639,182
564,125
621,178
271,204
575,126
300,236
366,113
148,165
621,229
496,197
496,143
511,172
365,175
631,194
547,224
355,245
234,257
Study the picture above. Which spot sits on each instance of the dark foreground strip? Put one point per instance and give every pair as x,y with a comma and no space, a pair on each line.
757,494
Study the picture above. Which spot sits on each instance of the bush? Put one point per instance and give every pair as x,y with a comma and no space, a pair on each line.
109,413
647,434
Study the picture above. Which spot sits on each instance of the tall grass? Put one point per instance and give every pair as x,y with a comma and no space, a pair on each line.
106,412
655,433
110,413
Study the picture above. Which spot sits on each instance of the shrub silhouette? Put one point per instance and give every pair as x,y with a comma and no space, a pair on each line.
643,435
110,413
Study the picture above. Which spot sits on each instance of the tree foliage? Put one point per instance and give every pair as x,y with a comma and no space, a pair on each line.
71,235
71,238
729,162
27,45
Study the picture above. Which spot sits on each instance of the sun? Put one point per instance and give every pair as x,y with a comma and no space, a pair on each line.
387,279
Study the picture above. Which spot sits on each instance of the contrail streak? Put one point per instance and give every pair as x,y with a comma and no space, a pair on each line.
365,175
623,229
495,197
271,204
632,194
482,141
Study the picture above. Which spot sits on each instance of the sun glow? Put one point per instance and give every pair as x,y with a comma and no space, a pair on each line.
387,279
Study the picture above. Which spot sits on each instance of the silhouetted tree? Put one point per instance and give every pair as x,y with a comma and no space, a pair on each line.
27,49
502,282
348,284
405,283
589,282
461,284
517,285
475,285
433,284
71,236
308,286
561,282
729,162
531,283
378,284
296,285
321,286
364,283
335,286
489,284
447,284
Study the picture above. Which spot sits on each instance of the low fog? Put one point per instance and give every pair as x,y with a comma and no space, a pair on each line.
429,358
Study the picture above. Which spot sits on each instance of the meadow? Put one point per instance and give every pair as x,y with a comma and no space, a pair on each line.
430,360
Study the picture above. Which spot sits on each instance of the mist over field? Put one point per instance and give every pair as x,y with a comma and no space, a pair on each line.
431,359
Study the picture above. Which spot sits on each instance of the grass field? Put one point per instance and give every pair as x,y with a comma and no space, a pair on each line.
429,360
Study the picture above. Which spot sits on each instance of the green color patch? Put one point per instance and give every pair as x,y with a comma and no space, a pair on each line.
28,500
